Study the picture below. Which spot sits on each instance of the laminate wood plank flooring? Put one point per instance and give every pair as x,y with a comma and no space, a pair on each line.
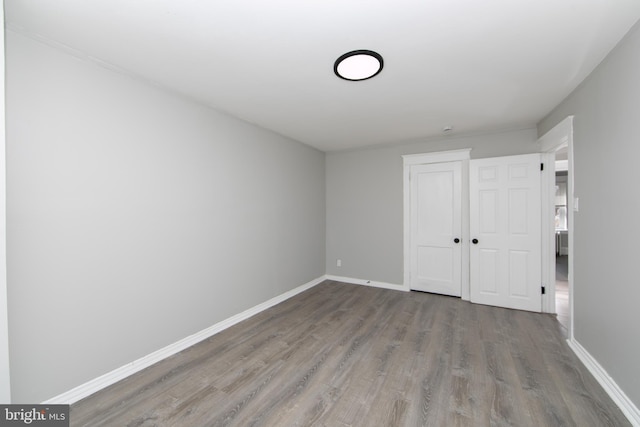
346,355
562,290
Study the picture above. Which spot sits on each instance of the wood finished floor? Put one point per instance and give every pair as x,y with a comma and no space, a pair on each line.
562,291
346,355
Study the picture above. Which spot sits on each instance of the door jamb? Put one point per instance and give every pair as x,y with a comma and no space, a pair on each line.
409,160
548,252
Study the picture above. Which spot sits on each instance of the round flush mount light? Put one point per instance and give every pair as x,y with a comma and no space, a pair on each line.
358,65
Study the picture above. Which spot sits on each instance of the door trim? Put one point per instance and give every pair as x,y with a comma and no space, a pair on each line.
437,157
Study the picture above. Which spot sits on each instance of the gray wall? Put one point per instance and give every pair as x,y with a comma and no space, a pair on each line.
365,200
136,218
606,139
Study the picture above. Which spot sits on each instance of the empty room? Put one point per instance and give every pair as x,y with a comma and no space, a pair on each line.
320,213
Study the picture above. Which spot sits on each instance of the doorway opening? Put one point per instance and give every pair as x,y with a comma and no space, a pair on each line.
559,206
562,237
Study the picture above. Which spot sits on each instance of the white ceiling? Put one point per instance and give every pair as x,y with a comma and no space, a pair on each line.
477,65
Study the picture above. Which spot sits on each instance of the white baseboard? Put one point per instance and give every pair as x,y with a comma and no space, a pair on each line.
118,374
628,408
367,283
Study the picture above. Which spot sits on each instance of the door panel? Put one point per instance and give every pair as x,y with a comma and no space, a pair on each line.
488,277
436,202
505,220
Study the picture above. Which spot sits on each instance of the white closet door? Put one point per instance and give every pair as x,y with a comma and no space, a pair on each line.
505,250
436,201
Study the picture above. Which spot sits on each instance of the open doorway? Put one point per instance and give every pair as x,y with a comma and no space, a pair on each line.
562,296
557,259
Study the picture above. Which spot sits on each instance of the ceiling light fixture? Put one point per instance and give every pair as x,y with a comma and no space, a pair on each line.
358,65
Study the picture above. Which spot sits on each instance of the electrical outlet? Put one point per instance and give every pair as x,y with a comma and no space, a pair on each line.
339,263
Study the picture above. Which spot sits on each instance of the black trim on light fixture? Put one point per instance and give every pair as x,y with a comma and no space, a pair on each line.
370,53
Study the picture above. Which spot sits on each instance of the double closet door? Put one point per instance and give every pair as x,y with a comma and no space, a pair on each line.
504,233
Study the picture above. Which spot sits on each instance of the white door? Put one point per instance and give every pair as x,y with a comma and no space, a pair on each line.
505,250
436,223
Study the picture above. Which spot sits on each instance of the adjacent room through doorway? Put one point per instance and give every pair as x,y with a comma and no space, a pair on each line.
562,239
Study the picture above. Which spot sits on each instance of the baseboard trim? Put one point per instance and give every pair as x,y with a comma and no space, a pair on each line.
103,381
628,408
364,282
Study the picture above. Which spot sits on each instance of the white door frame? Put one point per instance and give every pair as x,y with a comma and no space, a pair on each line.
437,157
558,137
